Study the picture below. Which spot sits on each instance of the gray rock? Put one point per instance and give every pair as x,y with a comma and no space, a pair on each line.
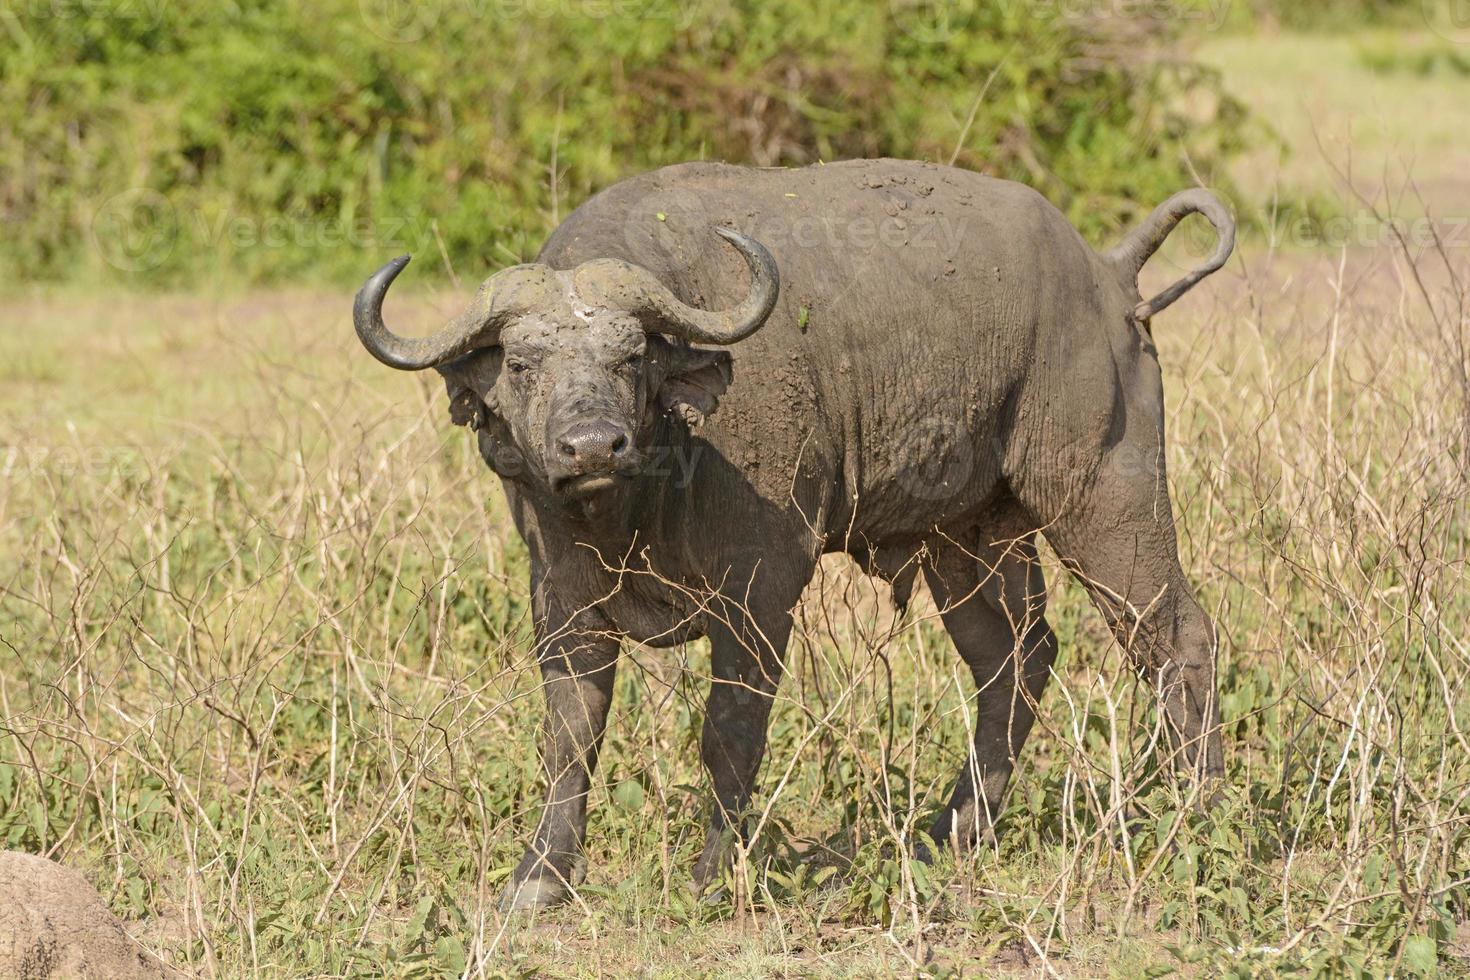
54,924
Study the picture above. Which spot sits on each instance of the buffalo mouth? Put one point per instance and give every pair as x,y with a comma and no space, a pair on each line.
577,486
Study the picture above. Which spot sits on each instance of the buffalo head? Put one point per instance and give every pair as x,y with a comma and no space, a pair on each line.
572,366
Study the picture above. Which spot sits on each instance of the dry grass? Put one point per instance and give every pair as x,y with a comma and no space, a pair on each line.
267,683
264,628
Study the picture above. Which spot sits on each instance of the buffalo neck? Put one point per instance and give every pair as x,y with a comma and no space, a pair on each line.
638,513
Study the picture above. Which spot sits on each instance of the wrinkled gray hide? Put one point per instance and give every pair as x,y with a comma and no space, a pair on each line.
945,370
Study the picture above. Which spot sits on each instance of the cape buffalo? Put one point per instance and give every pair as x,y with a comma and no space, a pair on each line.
917,365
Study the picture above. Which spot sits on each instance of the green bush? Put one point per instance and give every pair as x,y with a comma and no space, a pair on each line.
1334,15
1437,57
181,141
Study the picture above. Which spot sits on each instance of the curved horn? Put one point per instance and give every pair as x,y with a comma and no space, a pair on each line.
637,291
478,326
1133,251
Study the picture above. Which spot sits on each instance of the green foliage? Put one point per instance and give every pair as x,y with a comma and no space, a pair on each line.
1316,16
1440,57
266,679
267,683
169,142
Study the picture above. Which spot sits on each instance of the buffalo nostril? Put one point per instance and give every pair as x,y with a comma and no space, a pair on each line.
593,445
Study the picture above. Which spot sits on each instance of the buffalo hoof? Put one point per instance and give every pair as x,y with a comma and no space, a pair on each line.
538,883
717,857
958,845
535,893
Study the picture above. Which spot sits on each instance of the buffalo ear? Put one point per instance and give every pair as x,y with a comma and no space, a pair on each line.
467,408
693,379
470,383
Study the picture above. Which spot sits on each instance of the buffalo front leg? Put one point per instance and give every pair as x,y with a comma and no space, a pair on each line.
992,599
577,681
1120,543
746,667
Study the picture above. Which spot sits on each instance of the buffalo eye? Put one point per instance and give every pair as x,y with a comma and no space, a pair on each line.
633,360
518,368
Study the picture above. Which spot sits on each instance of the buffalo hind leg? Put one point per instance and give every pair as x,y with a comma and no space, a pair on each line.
577,672
1120,543
992,597
746,665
